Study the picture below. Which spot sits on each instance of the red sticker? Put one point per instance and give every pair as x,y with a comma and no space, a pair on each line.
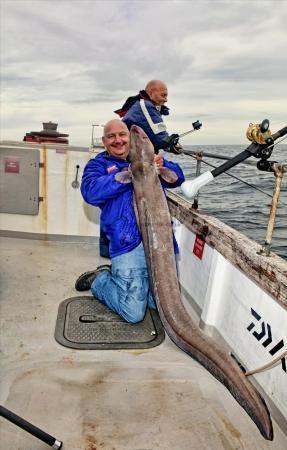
198,246
12,165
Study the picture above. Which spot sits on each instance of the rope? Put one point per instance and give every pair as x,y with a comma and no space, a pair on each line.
239,179
267,366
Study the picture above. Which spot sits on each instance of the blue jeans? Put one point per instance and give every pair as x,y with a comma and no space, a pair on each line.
126,289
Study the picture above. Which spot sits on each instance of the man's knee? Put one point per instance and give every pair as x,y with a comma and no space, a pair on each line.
133,315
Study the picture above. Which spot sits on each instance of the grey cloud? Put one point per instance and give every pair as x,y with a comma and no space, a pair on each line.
252,70
81,53
97,99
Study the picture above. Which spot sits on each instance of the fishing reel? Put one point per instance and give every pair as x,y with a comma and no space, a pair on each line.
261,138
259,133
172,142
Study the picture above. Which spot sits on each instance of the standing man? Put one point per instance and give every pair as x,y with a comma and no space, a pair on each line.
146,110
124,286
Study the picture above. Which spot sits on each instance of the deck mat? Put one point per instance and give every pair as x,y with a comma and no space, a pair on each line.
84,323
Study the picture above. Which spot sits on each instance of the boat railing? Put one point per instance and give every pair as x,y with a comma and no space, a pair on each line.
277,169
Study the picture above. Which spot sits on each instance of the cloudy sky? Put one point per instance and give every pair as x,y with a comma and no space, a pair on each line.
76,61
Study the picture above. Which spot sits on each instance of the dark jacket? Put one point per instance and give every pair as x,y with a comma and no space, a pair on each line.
99,188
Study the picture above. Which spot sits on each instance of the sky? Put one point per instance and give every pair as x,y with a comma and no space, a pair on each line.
76,61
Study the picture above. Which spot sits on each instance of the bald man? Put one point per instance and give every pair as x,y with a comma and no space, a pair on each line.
124,286
146,110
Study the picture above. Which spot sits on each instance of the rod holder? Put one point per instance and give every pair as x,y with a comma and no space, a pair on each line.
278,171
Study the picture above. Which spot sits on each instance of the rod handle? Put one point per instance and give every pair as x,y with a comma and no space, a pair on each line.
191,187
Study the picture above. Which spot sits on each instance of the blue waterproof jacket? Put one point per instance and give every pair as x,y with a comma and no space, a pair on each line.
118,220
147,116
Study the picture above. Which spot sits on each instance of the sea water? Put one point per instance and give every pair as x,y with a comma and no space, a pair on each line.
238,205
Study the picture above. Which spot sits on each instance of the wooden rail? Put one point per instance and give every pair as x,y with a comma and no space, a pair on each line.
270,273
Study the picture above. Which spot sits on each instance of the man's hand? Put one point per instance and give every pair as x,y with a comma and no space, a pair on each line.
158,161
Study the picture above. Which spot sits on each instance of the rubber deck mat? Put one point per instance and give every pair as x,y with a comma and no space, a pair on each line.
84,323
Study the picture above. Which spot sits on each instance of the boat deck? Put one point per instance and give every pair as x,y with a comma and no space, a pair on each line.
101,399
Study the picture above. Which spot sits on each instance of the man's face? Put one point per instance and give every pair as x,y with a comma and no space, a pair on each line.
116,139
159,95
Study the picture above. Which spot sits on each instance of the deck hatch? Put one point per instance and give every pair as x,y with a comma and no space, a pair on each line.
84,323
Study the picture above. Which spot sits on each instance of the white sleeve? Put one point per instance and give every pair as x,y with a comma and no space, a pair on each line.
156,127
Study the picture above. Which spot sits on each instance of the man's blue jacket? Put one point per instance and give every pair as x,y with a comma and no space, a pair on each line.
147,116
118,220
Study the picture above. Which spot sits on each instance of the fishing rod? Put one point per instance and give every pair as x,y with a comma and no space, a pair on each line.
212,155
30,428
261,147
173,139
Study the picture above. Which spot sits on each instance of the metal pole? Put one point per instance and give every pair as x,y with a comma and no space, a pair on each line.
215,156
198,169
278,170
93,126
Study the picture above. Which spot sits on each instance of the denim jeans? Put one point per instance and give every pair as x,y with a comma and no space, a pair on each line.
125,289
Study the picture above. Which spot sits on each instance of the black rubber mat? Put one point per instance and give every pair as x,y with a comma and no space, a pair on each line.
84,323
